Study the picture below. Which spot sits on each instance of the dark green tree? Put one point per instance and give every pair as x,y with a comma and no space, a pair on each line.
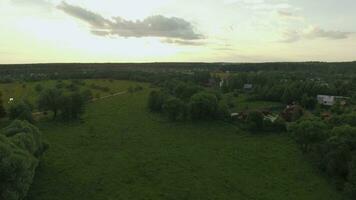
175,108
21,146
203,105
156,101
254,121
22,111
308,132
50,99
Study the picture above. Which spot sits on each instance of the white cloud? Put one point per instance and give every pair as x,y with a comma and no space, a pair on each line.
314,32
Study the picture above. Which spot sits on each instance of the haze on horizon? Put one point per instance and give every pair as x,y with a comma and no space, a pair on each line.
45,31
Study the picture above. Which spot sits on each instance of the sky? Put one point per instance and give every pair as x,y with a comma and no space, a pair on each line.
47,31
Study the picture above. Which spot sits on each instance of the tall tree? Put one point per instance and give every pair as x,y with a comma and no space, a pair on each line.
50,99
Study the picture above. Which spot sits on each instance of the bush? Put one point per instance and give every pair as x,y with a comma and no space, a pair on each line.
21,111
21,145
2,108
308,132
156,101
175,108
255,121
203,105
87,95
72,106
38,88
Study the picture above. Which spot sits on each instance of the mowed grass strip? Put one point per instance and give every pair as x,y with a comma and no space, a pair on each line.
122,151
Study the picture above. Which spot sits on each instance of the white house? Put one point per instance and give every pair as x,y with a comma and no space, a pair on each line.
328,100
11,100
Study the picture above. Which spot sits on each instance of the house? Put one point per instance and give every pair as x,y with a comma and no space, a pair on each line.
328,100
11,100
248,86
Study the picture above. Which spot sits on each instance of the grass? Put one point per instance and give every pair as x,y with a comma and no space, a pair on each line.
121,151
243,103
20,90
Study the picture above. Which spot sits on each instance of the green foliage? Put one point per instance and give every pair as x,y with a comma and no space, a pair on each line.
203,105
50,99
38,87
2,108
87,94
344,119
202,77
254,121
350,187
308,132
21,145
175,108
21,110
156,100
72,106
308,102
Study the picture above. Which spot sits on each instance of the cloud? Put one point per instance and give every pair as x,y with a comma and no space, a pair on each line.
153,26
31,2
313,32
184,42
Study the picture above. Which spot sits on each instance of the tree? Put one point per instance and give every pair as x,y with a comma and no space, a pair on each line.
87,95
287,96
50,99
308,132
2,108
203,105
308,102
350,187
71,106
38,87
156,101
175,108
21,111
223,110
21,146
254,121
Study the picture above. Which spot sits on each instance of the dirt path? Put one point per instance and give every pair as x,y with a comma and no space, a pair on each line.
108,96
92,100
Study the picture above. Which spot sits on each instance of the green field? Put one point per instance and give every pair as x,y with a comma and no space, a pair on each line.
26,90
121,151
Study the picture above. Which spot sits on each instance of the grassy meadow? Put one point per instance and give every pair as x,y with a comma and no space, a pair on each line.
122,151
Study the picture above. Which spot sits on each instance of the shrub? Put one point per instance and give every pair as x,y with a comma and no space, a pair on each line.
156,101
254,121
175,108
21,145
203,105
21,111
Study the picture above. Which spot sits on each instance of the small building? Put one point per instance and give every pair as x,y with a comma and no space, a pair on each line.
248,86
11,100
328,100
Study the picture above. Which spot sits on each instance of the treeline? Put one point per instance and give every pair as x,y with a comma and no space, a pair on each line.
21,146
150,72
68,106
331,145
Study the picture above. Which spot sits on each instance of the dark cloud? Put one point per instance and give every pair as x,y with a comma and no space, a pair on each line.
173,28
